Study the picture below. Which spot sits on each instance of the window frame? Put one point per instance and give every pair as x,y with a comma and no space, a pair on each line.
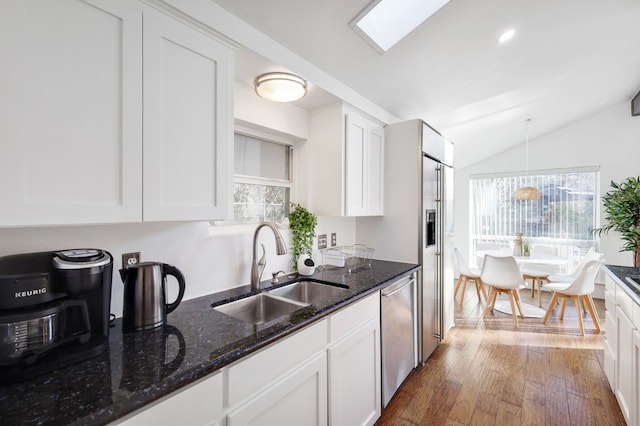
270,137
476,238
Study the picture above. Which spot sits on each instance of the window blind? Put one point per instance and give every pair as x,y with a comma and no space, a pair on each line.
562,219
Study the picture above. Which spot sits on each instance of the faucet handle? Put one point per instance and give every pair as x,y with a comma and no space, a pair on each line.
274,276
263,261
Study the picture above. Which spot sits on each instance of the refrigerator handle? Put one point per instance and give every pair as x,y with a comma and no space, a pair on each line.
438,180
439,209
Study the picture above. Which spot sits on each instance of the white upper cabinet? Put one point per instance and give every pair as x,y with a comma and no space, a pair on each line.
70,112
71,115
188,122
347,163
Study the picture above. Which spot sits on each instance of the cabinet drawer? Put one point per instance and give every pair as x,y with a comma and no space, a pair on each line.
609,284
351,317
199,404
625,302
636,315
250,375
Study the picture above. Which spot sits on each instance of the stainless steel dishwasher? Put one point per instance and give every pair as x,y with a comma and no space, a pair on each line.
398,338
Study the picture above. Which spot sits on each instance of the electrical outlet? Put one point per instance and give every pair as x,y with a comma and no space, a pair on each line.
334,239
322,241
129,259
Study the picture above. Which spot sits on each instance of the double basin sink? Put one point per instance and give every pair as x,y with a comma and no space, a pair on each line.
281,301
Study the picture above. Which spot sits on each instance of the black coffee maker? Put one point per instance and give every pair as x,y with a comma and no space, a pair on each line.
54,310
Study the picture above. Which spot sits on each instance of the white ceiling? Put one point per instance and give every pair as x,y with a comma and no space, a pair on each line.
569,59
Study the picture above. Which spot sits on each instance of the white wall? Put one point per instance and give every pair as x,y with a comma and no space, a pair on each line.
209,263
609,139
211,259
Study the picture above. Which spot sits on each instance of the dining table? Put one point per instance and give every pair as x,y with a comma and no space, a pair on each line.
533,259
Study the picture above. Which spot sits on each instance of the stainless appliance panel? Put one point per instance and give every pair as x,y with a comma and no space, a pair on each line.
397,338
447,256
430,294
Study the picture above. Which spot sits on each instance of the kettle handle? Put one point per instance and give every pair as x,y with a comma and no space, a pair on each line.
172,270
173,365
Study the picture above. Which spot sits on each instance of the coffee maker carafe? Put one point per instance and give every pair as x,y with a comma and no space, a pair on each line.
54,310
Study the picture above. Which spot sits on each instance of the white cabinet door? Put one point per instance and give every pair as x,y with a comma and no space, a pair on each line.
375,171
347,162
610,348
624,383
188,128
70,115
354,377
299,399
364,166
635,404
355,148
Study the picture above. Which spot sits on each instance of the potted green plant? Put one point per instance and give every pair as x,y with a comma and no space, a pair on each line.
622,209
525,247
303,229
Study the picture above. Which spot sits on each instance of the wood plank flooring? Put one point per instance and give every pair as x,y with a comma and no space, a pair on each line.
486,372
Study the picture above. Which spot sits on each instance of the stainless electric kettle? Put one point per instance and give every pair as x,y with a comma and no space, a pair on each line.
145,305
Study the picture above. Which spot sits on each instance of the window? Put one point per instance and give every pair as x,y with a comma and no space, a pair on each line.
262,180
563,218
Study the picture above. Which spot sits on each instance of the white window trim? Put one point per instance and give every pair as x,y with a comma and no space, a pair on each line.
224,227
585,169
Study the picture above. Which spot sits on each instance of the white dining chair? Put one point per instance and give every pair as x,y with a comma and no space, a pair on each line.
579,290
502,275
538,273
567,278
466,274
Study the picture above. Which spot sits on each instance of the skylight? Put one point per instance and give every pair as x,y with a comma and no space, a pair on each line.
385,22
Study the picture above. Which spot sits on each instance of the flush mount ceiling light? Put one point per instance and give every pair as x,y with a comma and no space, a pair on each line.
527,192
385,22
280,86
506,36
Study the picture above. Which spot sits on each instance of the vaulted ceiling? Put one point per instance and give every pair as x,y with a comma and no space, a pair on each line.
568,59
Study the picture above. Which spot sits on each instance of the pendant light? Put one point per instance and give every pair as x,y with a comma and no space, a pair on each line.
527,192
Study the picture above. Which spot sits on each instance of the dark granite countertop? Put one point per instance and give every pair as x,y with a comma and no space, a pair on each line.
141,367
621,273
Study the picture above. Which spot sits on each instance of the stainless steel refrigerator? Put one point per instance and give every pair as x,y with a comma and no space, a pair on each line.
417,225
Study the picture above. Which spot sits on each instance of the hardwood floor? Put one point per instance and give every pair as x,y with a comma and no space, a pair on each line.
486,372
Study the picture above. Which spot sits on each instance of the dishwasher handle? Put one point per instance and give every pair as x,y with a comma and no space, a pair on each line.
397,289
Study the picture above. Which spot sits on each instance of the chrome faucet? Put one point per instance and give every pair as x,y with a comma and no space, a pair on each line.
257,266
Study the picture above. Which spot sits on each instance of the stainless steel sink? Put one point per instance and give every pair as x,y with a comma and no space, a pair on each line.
260,308
308,292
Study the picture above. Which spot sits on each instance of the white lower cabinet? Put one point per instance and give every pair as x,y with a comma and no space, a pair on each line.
354,377
610,342
624,362
197,404
636,377
325,374
610,349
298,399
622,348
354,364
